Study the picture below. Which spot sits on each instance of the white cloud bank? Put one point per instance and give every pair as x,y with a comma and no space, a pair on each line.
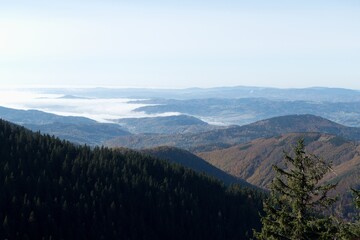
101,110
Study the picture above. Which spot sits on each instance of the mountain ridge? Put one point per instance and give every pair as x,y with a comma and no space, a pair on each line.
79,130
223,138
311,93
165,125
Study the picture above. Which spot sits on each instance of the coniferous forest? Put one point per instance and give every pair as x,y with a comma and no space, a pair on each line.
52,189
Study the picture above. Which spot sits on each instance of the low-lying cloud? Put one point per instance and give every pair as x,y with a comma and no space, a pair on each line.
101,110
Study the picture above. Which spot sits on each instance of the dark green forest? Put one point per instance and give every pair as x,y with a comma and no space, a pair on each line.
53,189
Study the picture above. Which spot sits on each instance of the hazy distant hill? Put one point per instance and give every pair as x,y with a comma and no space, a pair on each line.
306,94
253,161
187,159
237,105
39,117
71,97
165,125
76,129
240,111
223,138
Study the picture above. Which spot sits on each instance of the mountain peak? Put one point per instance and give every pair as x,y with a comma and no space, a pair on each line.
299,122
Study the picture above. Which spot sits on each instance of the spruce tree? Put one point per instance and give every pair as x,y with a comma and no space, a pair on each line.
357,198
297,198
356,226
352,230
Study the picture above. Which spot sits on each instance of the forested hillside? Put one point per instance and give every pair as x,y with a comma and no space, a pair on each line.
190,160
51,189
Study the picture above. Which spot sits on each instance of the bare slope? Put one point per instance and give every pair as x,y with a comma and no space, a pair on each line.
253,161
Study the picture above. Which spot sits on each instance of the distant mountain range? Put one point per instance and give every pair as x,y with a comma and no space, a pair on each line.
306,94
240,111
87,131
223,138
235,105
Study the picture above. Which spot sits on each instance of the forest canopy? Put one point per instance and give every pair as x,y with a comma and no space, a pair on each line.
52,189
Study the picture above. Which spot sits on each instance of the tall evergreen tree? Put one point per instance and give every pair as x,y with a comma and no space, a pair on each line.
294,207
355,228
357,198
351,230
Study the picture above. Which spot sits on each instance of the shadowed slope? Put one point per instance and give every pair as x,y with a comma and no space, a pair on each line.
195,163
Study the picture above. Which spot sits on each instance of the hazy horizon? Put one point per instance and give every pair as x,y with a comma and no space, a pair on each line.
39,87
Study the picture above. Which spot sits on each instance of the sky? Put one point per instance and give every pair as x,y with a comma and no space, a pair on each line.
180,44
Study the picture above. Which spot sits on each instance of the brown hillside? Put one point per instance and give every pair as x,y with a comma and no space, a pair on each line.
252,161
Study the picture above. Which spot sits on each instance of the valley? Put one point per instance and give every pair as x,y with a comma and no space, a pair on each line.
180,120
191,134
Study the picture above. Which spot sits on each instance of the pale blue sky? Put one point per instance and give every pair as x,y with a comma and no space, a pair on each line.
178,44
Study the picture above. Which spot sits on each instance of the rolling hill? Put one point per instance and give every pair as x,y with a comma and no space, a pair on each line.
39,117
79,130
223,138
165,125
241,111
